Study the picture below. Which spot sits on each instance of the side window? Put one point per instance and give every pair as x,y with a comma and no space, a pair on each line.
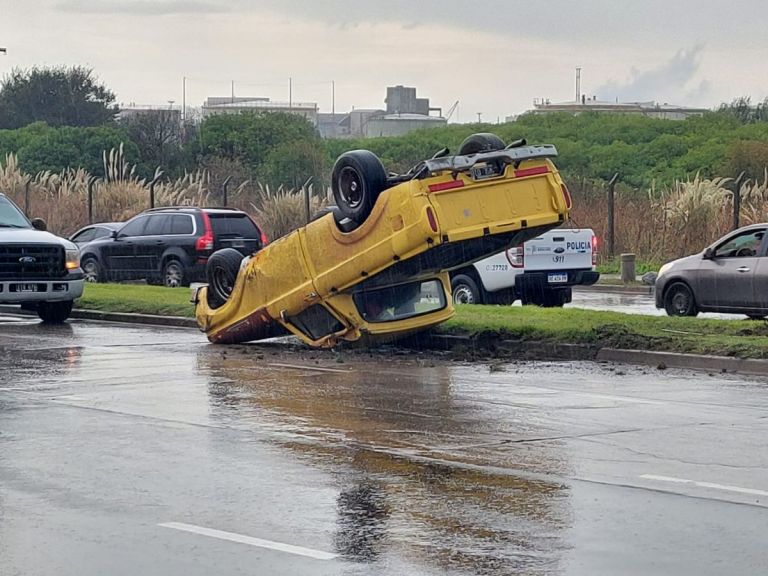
157,225
85,235
743,245
316,322
181,224
101,232
135,227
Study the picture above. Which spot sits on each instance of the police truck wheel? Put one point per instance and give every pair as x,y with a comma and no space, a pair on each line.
465,290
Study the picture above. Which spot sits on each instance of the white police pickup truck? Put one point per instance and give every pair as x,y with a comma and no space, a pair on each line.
38,270
541,271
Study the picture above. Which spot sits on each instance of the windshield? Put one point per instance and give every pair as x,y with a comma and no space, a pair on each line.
10,216
400,302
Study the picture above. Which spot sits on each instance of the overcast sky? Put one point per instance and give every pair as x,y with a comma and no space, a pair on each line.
494,56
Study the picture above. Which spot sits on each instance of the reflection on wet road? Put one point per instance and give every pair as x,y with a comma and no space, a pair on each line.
147,451
629,303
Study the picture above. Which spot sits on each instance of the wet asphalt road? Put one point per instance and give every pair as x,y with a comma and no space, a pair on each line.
147,451
629,303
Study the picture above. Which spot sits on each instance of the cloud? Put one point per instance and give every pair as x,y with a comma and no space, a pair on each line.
141,7
670,81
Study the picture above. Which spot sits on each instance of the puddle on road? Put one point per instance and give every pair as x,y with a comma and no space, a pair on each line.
422,470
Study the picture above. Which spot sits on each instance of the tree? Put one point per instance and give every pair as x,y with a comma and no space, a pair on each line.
157,133
58,96
276,147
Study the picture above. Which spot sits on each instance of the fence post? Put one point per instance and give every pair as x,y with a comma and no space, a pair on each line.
611,223
628,274
225,185
737,199
91,183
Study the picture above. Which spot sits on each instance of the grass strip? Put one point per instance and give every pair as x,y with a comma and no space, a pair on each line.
137,298
738,338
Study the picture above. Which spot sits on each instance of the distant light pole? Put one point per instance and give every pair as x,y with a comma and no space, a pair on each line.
479,117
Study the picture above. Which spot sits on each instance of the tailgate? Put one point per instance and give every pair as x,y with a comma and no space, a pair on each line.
559,250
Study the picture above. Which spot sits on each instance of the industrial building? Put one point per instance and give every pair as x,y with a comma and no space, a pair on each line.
650,109
237,104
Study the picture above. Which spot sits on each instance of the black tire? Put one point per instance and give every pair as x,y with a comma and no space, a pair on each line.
92,270
481,142
679,300
465,291
54,312
174,274
553,298
357,179
221,273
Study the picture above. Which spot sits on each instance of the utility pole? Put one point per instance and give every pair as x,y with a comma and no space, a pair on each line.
479,117
290,93
333,99
578,83
233,91
184,99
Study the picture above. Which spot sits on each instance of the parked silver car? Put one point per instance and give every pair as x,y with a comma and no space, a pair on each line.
730,276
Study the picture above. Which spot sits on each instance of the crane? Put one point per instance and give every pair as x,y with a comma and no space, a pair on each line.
451,110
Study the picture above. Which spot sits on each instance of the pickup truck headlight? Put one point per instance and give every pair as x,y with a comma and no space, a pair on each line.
73,259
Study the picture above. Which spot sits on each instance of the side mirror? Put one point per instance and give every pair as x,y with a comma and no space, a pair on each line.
709,253
113,234
39,224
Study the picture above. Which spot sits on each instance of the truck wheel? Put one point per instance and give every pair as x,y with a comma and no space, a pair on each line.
221,273
54,312
92,270
481,142
465,290
357,179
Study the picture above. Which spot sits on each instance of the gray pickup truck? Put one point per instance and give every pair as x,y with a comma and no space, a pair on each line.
38,270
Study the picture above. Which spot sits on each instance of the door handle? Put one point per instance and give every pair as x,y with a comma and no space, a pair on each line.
743,269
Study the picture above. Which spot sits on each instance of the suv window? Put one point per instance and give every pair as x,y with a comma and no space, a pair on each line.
157,225
135,227
316,322
181,224
400,302
10,216
234,225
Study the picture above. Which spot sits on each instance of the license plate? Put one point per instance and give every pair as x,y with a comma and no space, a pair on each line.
238,244
26,287
557,278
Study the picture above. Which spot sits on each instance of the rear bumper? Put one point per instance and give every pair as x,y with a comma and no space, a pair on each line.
68,287
540,280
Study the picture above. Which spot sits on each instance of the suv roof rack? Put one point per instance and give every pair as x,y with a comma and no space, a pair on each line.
159,208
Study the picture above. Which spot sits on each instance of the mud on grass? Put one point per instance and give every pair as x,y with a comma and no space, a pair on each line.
491,325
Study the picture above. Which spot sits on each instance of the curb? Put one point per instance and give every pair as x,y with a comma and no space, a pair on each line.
535,350
688,361
127,317
616,288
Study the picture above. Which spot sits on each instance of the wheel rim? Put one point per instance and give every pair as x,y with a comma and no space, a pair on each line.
681,301
223,283
91,271
173,276
462,294
351,187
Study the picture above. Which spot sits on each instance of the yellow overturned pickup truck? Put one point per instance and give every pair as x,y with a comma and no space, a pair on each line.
375,267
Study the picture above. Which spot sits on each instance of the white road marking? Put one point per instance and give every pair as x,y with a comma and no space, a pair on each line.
316,368
724,487
242,539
